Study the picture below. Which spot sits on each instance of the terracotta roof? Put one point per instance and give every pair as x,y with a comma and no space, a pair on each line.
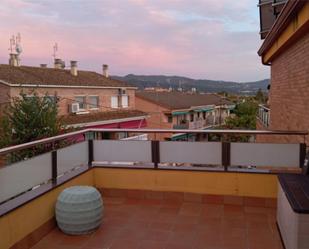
179,100
59,77
101,116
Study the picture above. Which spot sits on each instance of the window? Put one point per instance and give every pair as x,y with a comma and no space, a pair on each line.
170,119
191,117
204,115
125,101
81,100
93,102
114,101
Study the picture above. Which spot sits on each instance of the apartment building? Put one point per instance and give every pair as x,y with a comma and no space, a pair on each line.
85,99
286,50
179,110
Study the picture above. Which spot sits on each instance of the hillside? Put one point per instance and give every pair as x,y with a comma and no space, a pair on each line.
204,85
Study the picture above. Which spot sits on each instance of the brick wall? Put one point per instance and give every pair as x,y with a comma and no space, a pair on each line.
67,96
4,98
4,94
289,94
157,119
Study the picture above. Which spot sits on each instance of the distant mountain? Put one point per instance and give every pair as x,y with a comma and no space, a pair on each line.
143,81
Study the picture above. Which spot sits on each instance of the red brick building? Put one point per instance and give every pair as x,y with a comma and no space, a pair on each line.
84,98
286,51
179,110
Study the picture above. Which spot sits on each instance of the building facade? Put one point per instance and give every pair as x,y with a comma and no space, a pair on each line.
179,110
286,51
85,99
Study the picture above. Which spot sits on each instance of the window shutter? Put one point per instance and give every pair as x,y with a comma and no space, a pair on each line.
114,102
125,101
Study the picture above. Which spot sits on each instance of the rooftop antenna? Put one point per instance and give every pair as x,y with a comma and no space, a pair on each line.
18,48
12,43
55,49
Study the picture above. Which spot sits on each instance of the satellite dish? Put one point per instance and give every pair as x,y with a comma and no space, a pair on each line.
18,49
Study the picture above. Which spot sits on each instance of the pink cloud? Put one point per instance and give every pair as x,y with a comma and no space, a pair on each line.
201,39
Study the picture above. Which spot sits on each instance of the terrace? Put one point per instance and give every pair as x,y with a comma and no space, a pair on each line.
156,194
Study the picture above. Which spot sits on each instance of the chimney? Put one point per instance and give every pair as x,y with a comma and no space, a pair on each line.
58,64
105,70
14,60
43,65
74,68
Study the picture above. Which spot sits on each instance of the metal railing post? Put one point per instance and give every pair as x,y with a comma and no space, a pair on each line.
226,155
302,154
155,152
90,153
54,166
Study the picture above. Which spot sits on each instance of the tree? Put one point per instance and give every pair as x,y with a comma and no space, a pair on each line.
33,118
244,118
260,96
29,118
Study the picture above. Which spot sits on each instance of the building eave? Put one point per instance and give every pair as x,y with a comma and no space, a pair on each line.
285,17
104,122
63,86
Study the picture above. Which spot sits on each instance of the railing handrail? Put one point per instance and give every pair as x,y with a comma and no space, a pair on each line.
186,131
264,107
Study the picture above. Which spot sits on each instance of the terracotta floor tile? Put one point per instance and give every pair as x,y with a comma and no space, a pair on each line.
183,227
183,219
209,240
125,243
212,210
233,211
169,210
131,234
192,197
157,235
166,217
172,245
233,200
213,199
151,224
149,244
256,210
191,209
187,238
207,223
157,225
113,200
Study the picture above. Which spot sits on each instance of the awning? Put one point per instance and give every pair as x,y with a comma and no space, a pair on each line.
207,109
179,113
181,136
231,107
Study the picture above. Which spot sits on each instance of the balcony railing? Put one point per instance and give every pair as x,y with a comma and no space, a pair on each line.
264,115
181,126
219,156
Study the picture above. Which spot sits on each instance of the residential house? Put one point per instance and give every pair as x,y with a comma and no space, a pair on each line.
286,50
180,110
85,99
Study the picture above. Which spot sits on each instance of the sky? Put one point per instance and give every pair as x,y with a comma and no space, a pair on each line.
201,39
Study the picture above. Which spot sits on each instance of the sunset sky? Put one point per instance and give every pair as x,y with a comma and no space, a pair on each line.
209,39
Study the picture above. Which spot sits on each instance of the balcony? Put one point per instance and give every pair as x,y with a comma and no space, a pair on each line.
181,126
264,115
156,194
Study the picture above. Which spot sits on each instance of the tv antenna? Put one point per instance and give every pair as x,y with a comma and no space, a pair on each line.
12,43
18,48
15,44
55,50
